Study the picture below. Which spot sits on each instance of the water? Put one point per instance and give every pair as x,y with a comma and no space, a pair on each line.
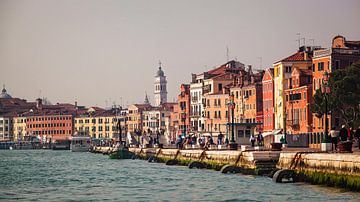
45,175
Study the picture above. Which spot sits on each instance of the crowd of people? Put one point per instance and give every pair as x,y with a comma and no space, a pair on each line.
344,134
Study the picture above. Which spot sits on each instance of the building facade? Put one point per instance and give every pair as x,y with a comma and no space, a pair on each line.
341,55
298,100
282,79
160,85
268,100
183,109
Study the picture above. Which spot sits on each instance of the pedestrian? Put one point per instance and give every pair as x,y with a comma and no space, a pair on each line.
260,139
350,134
334,138
343,133
357,135
252,140
220,137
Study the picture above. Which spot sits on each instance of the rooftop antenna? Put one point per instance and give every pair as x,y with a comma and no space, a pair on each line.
39,94
159,63
303,39
298,40
227,53
260,58
313,41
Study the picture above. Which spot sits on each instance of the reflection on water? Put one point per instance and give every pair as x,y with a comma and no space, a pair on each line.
41,175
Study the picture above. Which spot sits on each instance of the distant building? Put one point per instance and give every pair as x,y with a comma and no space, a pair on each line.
268,100
282,80
160,84
184,109
298,100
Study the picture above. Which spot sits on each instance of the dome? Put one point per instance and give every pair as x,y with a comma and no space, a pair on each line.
4,94
159,72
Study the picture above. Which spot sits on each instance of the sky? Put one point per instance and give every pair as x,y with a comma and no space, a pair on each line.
101,52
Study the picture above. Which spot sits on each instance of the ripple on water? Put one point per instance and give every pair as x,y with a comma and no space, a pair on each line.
40,175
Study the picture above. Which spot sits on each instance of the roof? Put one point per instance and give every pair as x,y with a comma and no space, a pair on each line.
298,56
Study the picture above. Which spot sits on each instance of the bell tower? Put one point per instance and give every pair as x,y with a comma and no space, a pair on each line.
160,91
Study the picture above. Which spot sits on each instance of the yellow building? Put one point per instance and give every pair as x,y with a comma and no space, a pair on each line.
99,123
19,128
282,80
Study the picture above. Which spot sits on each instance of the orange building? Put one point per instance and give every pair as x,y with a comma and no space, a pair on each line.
49,125
216,113
298,100
268,100
341,55
183,109
248,97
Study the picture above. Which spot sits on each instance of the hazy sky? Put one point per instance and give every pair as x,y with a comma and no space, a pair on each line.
99,52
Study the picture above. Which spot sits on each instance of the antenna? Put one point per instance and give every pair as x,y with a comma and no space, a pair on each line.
159,63
298,40
39,94
313,41
260,58
303,39
227,53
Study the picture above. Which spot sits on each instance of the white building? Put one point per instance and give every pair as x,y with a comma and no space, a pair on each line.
160,92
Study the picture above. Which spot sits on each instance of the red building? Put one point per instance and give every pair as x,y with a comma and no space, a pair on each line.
50,122
184,108
298,100
268,100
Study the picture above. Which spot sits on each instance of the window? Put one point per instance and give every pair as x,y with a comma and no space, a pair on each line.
220,86
313,67
320,66
337,64
288,69
305,96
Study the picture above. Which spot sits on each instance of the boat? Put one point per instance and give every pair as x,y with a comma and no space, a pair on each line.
121,152
80,143
61,145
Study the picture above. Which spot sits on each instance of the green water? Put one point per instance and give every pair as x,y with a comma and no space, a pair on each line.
41,175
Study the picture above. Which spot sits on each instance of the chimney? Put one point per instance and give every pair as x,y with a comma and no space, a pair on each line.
75,104
39,103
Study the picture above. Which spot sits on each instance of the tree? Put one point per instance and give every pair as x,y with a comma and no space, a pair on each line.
344,97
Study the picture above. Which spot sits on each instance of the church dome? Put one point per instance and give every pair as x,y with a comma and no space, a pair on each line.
159,72
4,94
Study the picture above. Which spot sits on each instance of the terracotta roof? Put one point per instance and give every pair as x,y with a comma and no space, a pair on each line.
298,56
225,76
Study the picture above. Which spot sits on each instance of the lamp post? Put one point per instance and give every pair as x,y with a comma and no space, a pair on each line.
231,104
326,90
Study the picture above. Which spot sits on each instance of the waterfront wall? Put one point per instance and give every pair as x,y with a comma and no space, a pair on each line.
339,170
252,162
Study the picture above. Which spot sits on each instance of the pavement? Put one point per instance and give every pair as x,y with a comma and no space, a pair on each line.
355,149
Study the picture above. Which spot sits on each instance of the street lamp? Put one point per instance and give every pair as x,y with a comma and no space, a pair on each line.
231,105
326,90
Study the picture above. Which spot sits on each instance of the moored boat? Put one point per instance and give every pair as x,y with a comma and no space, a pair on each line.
80,143
121,152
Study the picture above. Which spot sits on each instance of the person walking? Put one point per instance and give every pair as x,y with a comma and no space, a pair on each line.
357,136
343,133
350,134
260,139
252,140
220,138
334,138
